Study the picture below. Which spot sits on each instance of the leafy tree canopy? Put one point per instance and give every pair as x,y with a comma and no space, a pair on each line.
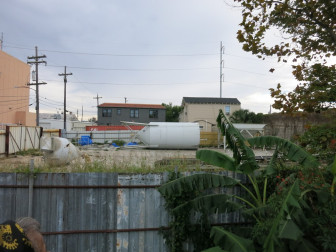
245,116
172,112
308,30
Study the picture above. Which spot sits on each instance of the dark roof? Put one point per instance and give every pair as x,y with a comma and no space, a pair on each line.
130,105
211,100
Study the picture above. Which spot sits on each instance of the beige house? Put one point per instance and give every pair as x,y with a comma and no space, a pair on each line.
14,92
204,110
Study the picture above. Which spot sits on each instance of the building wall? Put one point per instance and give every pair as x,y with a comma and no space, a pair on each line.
125,115
205,114
14,105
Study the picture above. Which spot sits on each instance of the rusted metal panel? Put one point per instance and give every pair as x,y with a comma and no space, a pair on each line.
94,211
140,208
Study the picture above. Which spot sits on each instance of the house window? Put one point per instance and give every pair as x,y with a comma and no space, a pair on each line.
227,110
118,111
153,113
107,112
134,113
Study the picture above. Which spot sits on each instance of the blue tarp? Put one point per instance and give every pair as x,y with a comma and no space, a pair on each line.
85,140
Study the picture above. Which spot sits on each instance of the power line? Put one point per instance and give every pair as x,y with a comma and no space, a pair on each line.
117,55
140,84
138,69
157,69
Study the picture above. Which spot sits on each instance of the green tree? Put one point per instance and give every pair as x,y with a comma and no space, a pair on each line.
308,30
245,116
172,112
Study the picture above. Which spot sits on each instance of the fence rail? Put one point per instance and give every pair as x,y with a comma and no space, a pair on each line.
93,211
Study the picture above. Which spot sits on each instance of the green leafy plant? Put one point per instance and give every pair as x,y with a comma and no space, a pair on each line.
320,140
257,204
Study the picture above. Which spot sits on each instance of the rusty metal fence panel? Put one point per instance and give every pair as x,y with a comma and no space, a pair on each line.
93,211
89,211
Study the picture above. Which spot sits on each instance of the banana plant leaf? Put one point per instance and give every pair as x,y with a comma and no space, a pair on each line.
290,150
217,159
231,242
303,246
281,222
215,203
196,182
215,249
238,144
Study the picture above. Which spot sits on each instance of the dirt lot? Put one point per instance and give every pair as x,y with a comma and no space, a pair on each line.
108,156
96,158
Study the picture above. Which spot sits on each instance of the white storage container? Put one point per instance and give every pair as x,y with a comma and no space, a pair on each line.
169,135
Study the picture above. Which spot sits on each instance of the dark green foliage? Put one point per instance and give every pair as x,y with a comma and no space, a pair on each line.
182,228
172,112
320,140
119,142
245,116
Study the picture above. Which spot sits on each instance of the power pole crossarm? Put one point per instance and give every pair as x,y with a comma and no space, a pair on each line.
65,74
97,98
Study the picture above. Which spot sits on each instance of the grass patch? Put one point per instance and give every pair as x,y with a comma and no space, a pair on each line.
30,152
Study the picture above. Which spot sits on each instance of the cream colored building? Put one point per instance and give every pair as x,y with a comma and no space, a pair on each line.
14,93
204,110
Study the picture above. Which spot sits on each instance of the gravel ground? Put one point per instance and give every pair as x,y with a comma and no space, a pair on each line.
114,157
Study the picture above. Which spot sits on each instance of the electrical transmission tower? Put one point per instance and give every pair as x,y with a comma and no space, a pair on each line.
37,60
65,74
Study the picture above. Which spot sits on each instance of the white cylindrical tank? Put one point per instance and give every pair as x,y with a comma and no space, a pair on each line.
169,135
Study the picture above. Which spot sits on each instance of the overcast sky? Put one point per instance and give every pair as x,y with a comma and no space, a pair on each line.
149,51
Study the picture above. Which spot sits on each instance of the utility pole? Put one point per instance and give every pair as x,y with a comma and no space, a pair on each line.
221,76
65,74
125,99
37,60
97,97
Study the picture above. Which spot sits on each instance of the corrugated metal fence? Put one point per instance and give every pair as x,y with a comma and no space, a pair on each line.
92,211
